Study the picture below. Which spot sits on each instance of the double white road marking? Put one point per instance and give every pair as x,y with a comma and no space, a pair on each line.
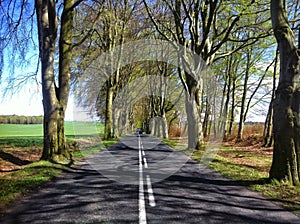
142,205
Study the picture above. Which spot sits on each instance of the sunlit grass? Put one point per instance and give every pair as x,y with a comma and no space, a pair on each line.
29,137
20,182
33,175
177,144
250,169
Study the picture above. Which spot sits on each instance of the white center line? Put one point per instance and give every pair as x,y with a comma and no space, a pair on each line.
145,163
150,192
142,207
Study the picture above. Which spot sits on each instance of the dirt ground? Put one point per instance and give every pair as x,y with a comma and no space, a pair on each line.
16,158
252,145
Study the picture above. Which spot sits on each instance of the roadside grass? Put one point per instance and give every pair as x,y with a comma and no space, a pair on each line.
174,143
20,182
21,179
33,175
250,167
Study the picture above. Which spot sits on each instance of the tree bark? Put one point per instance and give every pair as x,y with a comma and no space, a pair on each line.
55,98
195,134
206,120
108,111
226,106
65,57
232,110
47,32
164,124
268,128
244,96
286,156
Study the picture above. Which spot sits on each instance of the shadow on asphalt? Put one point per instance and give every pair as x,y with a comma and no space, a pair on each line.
194,194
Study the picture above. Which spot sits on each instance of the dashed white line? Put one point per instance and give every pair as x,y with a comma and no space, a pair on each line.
150,192
142,207
145,163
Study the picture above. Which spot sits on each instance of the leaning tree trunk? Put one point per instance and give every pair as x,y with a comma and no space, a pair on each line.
286,156
268,127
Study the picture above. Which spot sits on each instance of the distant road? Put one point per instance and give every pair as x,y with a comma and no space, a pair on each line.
141,180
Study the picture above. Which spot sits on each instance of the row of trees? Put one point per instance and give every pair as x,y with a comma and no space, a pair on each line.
165,24
15,119
232,38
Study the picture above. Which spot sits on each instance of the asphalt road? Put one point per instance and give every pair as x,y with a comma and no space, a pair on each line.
140,180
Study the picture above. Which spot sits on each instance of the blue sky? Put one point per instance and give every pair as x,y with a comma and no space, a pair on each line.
27,101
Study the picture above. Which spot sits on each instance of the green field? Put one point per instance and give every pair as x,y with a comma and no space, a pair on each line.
22,135
24,139
71,129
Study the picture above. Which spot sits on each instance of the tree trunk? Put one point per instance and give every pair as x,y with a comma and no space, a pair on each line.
65,57
243,103
268,135
268,128
223,110
165,133
108,111
47,32
231,120
55,99
206,120
286,156
195,134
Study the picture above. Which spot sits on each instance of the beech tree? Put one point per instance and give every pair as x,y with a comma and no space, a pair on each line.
56,87
286,156
204,27
51,16
55,97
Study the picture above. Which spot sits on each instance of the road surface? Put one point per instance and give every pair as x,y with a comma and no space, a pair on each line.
141,180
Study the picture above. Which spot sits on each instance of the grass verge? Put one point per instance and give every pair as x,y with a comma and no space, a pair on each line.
20,182
33,175
250,167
